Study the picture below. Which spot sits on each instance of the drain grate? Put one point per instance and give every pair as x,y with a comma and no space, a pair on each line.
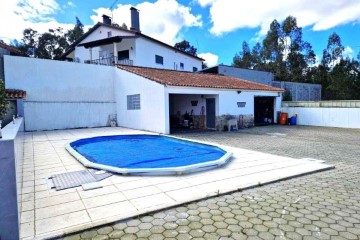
75,179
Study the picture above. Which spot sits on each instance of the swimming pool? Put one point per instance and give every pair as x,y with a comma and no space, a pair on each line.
147,154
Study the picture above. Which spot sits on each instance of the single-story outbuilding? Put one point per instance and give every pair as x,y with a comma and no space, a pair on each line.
204,100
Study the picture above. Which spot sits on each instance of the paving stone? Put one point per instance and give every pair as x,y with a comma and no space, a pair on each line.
116,234
120,226
89,234
156,237
157,229
100,237
104,230
223,232
73,237
144,233
209,228
128,237
170,233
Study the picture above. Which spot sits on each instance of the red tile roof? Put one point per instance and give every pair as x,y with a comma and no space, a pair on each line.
15,93
202,80
12,49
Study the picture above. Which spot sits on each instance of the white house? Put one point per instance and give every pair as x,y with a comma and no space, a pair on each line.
106,44
152,86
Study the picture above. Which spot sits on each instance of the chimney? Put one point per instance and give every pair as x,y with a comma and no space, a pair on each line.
106,19
135,22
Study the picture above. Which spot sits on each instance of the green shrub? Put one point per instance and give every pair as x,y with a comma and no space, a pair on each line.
3,101
287,95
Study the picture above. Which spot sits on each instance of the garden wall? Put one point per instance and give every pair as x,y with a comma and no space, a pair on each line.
62,95
11,159
344,114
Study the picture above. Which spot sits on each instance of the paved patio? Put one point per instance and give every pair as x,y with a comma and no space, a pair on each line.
48,213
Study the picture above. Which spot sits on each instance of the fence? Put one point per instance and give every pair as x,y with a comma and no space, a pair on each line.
301,91
344,114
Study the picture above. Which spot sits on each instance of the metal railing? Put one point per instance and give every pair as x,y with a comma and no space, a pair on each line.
110,61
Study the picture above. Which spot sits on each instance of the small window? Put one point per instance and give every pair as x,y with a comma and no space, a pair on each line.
109,33
241,104
195,69
159,59
182,66
133,102
123,54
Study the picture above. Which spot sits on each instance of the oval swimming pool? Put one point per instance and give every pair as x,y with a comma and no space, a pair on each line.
147,154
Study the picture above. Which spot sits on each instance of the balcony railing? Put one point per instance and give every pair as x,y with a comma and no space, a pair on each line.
110,61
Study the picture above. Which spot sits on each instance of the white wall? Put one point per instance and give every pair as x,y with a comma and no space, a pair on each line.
143,52
84,54
182,103
247,74
327,117
146,51
60,94
154,109
226,100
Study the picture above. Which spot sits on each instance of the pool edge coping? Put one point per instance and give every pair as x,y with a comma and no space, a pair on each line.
198,167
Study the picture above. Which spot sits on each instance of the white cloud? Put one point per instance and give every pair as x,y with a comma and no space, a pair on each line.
229,15
21,14
205,3
162,19
210,58
71,4
348,52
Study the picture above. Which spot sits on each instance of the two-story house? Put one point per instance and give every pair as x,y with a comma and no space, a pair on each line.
106,44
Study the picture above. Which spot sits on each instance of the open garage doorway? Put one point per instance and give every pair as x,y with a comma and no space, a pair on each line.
192,112
264,110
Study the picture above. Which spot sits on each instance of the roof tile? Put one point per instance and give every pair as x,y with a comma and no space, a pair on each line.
15,93
201,80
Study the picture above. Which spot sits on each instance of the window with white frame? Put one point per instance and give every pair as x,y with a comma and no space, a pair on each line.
195,69
109,33
133,102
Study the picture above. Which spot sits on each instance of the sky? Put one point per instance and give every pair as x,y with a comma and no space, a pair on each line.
217,28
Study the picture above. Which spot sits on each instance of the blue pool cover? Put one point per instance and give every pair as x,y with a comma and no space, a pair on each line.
145,151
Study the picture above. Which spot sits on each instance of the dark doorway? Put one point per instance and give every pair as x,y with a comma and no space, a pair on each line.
210,112
123,55
264,110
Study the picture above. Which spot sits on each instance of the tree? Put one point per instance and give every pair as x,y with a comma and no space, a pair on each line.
186,47
244,58
334,49
256,56
52,44
3,102
74,34
273,52
343,81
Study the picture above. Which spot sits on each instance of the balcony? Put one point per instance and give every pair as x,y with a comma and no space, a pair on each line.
110,61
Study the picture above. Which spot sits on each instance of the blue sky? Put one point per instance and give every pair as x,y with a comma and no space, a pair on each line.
216,27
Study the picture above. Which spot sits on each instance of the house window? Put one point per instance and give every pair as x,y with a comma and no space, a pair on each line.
109,33
159,59
241,104
195,69
123,54
182,66
133,102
